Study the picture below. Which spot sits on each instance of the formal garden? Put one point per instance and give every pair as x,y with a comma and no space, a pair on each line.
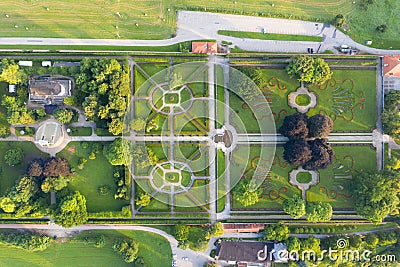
344,103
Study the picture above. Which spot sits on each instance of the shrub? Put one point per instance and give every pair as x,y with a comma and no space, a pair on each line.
104,190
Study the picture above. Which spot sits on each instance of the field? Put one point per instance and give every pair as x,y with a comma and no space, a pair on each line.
96,173
157,19
154,249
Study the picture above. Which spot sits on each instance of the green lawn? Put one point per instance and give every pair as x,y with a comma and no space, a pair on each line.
80,131
9,174
96,173
154,249
270,36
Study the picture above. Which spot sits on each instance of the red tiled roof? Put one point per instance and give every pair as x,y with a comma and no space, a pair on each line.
391,66
204,47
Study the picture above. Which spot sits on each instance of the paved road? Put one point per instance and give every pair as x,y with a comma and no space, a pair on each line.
194,25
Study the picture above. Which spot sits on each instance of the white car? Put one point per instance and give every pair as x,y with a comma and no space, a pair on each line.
174,256
185,258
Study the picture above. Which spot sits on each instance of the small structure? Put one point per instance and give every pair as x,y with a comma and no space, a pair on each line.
46,63
49,90
12,88
50,134
25,63
66,64
391,72
243,227
204,47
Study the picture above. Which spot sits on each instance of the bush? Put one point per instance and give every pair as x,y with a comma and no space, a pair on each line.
27,241
84,145
104,190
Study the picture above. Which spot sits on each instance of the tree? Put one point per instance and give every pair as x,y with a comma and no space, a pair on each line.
35,169
311,243
28,241
181,232
139,262
4,131
376,194
381,28
127,248
217,229
322,155
138,124
339,20
308,69
55,167
297,152
355,241
63,115
7,204
295,126
119,152
320,126
10,72
294,206
115,126
278,232
247,193
144,157
14,156
17,112
319,211
143,200
293,244
72,211
372,240
55,183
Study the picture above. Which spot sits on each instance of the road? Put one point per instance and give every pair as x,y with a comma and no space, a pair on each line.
193,25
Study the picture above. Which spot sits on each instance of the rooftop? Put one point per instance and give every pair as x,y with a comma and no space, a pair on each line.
391,66
204,47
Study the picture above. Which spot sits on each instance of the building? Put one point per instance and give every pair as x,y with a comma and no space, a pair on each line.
49,90
204,47
12,88
391,72
46,63
25,63
244,253
243,227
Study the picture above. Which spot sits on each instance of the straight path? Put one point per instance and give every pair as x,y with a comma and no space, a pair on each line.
193,25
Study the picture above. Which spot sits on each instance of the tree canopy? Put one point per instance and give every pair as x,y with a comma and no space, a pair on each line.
294,206
319,211
319,126
119,152
63,115
10,72
305,148
138,124
17,112
278,232
143,200
14,156
376,194
247,193
181,232
309,69
104,89
72,210
295,126
127,248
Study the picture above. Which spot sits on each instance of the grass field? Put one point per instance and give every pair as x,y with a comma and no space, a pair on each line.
157,19
96,173
270,36
154,249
